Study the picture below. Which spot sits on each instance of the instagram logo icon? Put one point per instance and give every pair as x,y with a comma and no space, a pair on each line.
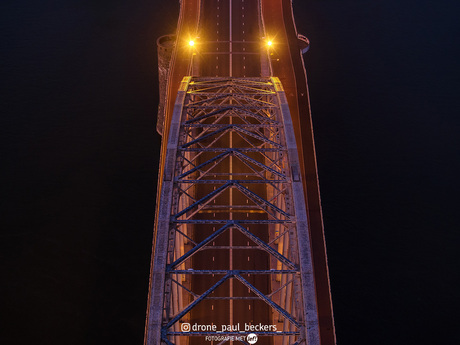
185,327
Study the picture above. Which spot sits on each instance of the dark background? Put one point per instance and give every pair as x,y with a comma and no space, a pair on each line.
79,161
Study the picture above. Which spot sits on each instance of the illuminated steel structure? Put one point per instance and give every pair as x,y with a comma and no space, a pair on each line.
231,187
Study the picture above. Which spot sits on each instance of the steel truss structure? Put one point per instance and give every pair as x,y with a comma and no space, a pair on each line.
231,186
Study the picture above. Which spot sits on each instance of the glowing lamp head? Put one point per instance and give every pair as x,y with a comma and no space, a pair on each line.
191,43
269,43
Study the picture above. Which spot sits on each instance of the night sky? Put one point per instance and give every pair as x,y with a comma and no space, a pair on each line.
80,156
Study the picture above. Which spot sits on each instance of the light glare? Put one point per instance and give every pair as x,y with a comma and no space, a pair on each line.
269,43
191,43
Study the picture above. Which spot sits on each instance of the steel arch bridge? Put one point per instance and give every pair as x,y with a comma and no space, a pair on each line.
231,242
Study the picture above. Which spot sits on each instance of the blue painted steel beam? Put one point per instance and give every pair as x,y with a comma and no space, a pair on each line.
199,246
198,300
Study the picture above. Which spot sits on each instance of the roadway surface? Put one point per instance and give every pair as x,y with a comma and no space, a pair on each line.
229,38
229,45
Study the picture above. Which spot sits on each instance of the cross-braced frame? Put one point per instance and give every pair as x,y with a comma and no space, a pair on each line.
232,230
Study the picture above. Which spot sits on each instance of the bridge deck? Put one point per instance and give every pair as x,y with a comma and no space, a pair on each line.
233,136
